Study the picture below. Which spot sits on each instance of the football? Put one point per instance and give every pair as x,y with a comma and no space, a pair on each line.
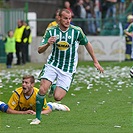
131,72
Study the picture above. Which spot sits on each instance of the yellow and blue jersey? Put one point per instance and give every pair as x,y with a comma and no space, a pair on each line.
54,23
20,102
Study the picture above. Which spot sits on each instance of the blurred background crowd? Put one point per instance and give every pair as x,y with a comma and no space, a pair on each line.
95,17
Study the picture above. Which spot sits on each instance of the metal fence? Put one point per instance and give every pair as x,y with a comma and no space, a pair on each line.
8,19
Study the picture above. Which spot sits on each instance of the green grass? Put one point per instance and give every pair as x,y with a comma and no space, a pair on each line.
99,103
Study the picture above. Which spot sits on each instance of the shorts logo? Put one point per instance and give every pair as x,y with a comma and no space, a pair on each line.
62,45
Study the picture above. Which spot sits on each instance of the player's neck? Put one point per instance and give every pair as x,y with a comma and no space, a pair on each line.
29,93
63,28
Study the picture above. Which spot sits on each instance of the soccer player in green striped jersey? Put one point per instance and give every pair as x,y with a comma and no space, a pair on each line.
62,62
129,32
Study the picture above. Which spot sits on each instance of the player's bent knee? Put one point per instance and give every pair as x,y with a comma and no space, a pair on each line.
42,92
44,86
58,98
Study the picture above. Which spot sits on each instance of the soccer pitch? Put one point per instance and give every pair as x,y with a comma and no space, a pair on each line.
99,103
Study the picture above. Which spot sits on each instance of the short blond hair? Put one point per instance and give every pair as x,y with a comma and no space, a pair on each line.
31,77
64,10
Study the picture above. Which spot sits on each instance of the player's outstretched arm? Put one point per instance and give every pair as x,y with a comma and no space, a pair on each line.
45,111
5,108
43,48
92,54
11,111
128,33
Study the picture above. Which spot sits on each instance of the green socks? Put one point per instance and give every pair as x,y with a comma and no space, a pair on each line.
39,105
53,86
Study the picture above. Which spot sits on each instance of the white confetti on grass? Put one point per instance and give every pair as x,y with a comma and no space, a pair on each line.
73,94
117,126
101,102
90,86
29,119
78,103
1,93
84,75
116,76
78,88
7,126
112,76
120,82
88,75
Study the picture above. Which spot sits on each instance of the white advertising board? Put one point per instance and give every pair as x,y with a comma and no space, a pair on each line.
32,22
107,48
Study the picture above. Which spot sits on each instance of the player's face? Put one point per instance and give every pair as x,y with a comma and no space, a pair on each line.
27,86
65,20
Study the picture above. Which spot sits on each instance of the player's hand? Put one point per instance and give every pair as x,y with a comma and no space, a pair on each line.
52,40
29,112
99,68
131,34
34,113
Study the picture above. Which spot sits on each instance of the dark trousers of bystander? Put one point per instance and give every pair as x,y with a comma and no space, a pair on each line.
24,53
27,52
9,60
20,53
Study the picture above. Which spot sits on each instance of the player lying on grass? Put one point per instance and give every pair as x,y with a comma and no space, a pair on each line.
23,100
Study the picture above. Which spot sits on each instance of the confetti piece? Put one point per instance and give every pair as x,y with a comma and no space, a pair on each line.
7,126
117,126
72,94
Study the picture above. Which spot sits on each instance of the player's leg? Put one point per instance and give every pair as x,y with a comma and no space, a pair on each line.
64,80
59,93
44,85
47,76
52,88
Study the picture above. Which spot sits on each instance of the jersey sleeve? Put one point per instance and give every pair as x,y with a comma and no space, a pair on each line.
13,101
45,37
82,38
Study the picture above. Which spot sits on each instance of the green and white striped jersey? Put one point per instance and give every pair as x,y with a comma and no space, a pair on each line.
64,53
130,28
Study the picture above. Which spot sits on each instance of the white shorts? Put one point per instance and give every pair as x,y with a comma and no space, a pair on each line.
51,73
